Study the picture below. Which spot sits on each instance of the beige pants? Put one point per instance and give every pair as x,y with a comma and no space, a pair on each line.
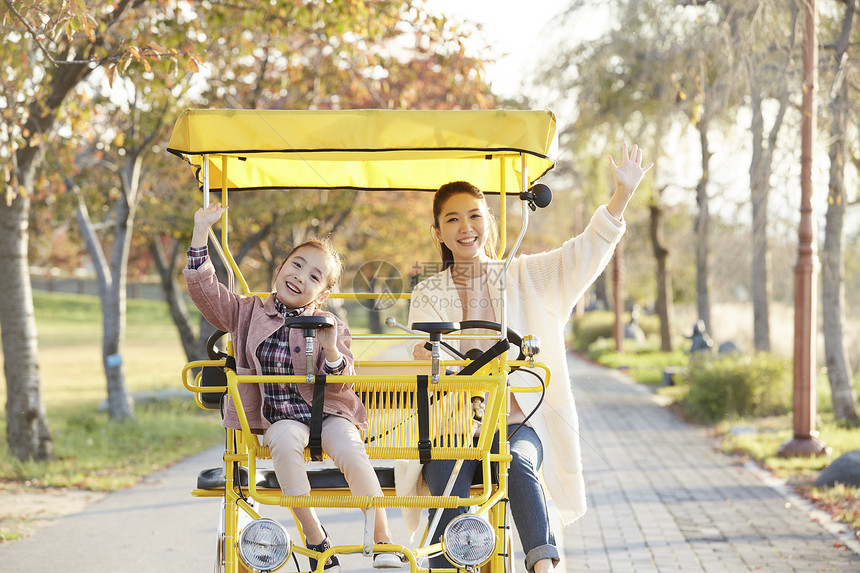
287,440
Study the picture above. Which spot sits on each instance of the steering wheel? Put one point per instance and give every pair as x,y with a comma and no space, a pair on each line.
513,337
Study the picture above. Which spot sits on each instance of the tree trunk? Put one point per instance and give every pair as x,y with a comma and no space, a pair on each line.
761,167
111,280
27,432
664,281
617,297
703,224
601,292
27,428
832,263
191,344
760,278
120,404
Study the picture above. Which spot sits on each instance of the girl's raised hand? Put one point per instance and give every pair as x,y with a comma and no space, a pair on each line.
203,219
209,215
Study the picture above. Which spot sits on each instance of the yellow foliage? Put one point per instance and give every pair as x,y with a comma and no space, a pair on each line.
191,66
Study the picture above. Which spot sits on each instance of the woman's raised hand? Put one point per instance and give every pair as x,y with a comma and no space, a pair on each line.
630,172
627,176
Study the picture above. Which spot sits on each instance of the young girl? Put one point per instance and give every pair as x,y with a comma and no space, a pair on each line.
542,290
263,345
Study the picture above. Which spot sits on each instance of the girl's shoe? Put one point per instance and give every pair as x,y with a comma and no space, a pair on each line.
388,559
332,565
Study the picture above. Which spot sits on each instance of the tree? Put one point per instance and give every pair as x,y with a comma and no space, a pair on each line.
50,48
768,52
136,124
832,258
761,36
395,56
124,185
621,91
752,35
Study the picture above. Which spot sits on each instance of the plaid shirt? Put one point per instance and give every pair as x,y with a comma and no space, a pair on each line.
281,401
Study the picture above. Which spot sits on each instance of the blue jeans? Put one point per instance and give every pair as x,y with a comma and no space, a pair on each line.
527,498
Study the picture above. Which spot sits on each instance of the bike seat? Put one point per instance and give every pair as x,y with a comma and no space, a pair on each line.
213,478
319,478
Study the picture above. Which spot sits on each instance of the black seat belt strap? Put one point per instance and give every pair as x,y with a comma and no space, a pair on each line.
315,439
423,410
483,359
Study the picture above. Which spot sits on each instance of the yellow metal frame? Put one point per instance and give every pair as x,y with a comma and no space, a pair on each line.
491,382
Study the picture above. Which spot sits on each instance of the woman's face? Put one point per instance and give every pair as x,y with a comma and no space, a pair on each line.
463,227
303,278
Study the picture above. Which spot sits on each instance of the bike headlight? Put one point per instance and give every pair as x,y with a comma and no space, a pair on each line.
264,545
468,540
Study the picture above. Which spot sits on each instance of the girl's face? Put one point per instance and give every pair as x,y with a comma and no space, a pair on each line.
303,278
463,227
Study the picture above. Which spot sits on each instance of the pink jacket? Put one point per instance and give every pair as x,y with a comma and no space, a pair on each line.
250,320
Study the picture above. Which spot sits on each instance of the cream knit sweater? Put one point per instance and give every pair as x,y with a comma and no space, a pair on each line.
542,290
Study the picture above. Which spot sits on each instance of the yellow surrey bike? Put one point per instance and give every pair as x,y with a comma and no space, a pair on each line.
418,411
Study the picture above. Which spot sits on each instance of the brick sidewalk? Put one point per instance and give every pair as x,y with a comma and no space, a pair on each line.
662,499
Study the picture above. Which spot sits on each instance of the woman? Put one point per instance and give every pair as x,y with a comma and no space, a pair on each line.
541,291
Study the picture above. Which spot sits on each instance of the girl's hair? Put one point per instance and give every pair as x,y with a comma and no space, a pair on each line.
326,247
442,195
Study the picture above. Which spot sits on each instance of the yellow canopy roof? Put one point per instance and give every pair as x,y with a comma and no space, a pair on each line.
367,149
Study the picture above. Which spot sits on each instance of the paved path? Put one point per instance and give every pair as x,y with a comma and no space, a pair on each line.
156,526
661,499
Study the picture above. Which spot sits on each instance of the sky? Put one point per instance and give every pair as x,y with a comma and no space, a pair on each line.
513,30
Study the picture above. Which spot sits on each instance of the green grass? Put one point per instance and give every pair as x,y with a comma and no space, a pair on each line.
70,352
761,438
642,361
92,451
96,453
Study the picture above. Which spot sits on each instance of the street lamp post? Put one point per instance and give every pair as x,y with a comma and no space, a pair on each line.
805,441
